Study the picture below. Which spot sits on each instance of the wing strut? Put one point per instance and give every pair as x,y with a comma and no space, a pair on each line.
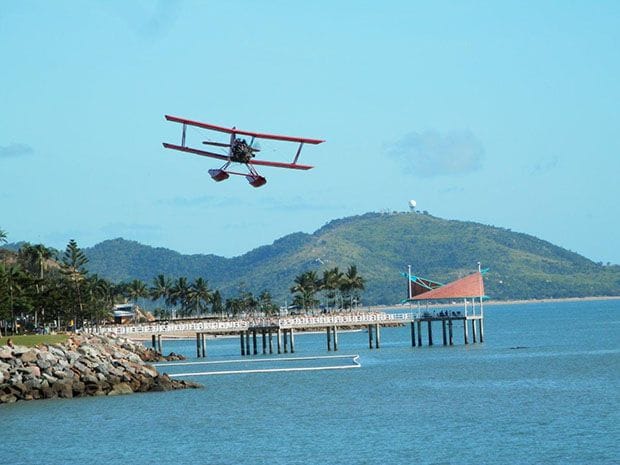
301,144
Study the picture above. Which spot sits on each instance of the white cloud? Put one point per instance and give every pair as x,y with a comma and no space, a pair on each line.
429,153
15,150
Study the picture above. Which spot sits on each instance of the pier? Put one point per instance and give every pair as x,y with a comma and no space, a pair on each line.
256,335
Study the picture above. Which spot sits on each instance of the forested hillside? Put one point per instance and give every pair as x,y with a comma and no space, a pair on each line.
381,245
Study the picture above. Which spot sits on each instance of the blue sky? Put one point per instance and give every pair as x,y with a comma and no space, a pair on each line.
504,113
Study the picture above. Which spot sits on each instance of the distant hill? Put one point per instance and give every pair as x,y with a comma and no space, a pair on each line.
381,245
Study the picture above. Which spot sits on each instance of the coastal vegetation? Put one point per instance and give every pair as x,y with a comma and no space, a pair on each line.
42,289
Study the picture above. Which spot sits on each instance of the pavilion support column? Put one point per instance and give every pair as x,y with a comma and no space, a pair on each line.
412,334
443,332
430,333
481,328
285,336
465,335
203,344
197,345
242,342
159,347
270,334
247,343
370,336
292,334
279,340
473,331
450,334
154,342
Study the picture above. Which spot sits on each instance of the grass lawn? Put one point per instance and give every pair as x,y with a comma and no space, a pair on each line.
34,339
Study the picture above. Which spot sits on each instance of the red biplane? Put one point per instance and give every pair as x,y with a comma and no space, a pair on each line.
238,150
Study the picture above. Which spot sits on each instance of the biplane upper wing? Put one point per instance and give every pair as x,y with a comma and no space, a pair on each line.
258,135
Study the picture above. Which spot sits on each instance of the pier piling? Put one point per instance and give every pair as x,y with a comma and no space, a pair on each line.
430,333
292,334
419,333
443,332
335,330
412,334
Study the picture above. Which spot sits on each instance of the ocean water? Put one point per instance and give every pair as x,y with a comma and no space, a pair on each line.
554,400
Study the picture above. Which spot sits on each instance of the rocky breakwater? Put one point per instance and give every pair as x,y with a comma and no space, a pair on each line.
85,365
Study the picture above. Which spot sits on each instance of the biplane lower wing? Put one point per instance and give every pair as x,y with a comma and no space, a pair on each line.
258,135
274,164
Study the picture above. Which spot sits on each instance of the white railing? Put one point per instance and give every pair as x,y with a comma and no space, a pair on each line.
321,321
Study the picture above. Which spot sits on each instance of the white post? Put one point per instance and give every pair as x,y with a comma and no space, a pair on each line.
409,282
480,271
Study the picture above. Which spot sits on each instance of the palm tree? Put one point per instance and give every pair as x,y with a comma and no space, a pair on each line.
306,286
161,288
179,293
266,304
199,296
216,303
352,283
331,282
101,301
3,236
136,289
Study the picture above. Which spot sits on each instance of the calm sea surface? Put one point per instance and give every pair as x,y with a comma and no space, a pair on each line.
554,400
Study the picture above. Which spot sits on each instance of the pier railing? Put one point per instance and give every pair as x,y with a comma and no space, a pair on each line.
293,322
321,321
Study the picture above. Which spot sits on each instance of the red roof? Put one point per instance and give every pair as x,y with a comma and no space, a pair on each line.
469,286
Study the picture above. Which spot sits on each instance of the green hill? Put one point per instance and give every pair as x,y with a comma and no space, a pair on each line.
381,245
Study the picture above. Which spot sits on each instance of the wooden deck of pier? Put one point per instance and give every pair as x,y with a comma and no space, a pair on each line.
283,329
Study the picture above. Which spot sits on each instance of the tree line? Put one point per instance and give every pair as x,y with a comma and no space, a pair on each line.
40,287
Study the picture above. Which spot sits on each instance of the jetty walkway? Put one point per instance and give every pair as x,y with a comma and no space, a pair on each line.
283,329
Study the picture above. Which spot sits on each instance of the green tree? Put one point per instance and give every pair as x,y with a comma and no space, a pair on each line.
199,296
216,303
330,284
34,260
179,294
305,288
73,266
136,289
101,299
351,285
160,290
3,236
265,303
14,297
